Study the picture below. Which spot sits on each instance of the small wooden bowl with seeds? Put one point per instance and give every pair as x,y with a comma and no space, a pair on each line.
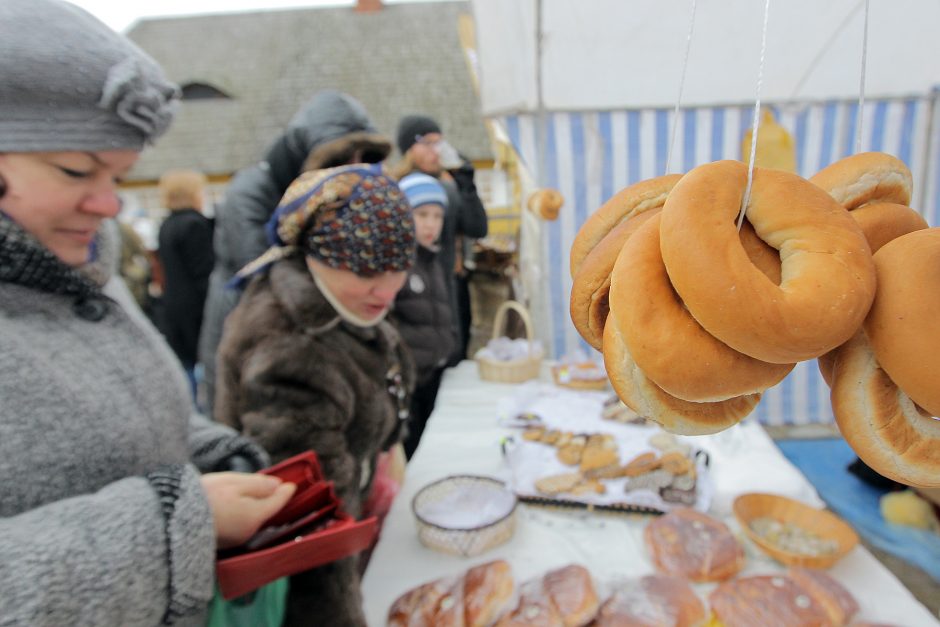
792,532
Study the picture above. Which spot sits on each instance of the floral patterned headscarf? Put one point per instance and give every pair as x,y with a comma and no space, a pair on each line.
352,217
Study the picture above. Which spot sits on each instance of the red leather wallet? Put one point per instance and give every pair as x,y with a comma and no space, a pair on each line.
311,530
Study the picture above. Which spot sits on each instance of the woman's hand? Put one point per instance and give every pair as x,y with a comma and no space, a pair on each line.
241,502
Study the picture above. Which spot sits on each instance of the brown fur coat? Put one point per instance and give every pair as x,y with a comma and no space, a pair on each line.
294,377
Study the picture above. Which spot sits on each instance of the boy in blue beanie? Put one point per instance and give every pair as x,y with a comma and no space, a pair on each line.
422,309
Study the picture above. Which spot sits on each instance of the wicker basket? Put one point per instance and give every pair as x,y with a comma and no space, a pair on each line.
826,525
515,370
464,539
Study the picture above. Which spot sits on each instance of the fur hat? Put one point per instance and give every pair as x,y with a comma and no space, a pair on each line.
411,127
423,189
68,82
350,217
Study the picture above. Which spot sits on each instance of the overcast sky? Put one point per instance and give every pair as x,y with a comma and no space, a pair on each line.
121,15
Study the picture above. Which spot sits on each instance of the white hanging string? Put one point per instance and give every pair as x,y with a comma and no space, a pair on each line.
685,64
861,85
756,126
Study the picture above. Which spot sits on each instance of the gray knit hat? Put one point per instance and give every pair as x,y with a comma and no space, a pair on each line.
68,82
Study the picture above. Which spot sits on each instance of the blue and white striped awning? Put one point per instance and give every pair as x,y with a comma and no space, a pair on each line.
589,156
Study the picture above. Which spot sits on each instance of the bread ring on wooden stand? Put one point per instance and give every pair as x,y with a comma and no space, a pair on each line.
866,177
665,341
881,223
881,423
589,302
650,401
628,202
828,275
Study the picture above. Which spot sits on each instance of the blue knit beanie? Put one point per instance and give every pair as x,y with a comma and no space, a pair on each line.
423,189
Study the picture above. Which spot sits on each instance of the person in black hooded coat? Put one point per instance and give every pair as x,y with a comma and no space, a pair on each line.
331,129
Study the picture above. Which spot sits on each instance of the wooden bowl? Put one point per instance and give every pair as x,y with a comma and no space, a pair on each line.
822,523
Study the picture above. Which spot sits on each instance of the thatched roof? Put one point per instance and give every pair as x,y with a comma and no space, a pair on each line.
405,58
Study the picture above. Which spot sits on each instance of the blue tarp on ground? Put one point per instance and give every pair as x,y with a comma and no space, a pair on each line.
824,463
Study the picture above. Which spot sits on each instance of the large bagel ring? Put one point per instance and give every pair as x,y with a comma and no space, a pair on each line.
650,401
881,223
589,290
665,341
866,177
628,202
903,325
887,430
828,278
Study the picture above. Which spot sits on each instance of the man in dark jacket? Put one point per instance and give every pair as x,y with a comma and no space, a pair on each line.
424,149
331,129
185,251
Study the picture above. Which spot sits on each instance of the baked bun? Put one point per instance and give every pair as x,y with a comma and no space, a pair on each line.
417,606
668,345
838,603
881,423
650,401
822,299
653,601
765,600
880,222
590,289
475,599
864,178
688,543
564,597
903,325
628,202
546,203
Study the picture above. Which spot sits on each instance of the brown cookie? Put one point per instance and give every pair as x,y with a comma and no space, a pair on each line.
675,462
643,463
555,484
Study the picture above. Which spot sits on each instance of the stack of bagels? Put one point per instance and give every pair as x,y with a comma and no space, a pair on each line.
697,318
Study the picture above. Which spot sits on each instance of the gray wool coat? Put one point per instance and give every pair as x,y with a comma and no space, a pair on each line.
103,520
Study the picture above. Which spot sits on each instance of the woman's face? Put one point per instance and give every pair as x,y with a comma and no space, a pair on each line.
367,298
61,198
429,219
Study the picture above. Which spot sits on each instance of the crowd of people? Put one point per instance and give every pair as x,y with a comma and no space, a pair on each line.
324,301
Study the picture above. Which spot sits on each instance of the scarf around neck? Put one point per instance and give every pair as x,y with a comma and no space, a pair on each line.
24,261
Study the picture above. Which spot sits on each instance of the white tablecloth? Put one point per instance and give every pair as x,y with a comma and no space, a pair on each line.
462,437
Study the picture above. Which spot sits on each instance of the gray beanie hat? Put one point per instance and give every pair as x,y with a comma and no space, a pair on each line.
68,82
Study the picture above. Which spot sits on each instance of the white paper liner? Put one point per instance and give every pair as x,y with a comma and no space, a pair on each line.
580,412
469,506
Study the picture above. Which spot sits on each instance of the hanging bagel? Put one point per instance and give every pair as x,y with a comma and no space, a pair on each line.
628,202
665,341
591,286
903,326
546,203
650,401
881,223
866,177
828,279
881,423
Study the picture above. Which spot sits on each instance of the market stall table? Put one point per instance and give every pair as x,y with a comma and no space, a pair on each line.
463,437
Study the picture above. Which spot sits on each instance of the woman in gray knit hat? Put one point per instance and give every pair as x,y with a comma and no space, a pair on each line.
106,517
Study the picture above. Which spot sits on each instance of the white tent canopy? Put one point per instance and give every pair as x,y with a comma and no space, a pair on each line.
610,75
612,54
